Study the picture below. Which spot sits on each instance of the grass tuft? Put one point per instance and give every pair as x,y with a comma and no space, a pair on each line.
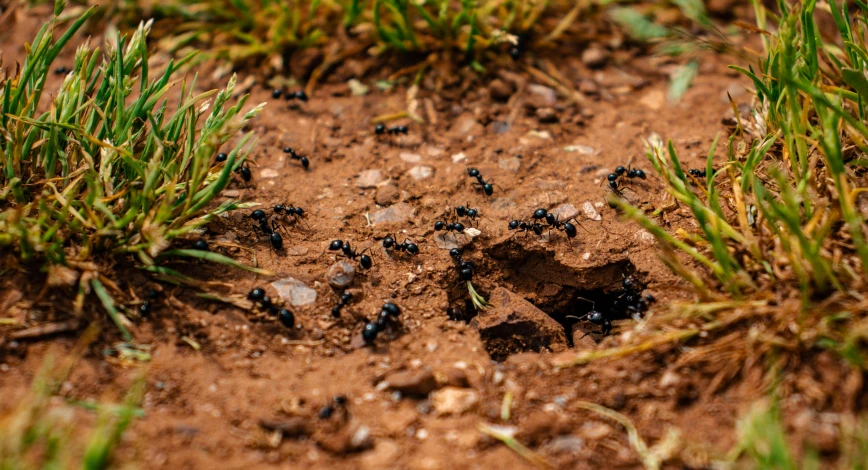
112,166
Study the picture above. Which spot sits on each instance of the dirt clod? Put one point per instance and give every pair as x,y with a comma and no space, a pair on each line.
513,324
453,400
387,195
416,383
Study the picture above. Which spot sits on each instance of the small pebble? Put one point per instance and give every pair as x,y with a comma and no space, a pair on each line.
340,275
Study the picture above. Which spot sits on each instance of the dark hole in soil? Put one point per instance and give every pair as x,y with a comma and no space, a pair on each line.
567,294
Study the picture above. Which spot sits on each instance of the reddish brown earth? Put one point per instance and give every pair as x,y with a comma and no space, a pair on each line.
218,407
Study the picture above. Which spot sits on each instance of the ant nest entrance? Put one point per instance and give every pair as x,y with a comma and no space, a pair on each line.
545,304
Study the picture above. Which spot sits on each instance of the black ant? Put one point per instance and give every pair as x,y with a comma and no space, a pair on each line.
244,171
486,186
364,260
339,403
456,227
297,95
526,227
468,212
221,157
200,244
381,129
465,268
346,297
407,245
270,230
568,228
596,318
287,209
145,308
276,93
697,173
62,70
388,314
296,156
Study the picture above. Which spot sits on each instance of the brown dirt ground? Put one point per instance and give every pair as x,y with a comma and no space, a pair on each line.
205,408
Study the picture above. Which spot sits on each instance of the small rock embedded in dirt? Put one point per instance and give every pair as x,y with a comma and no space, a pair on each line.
595,56
653,100
582,149
547,115
565,211
499,127
369,179
590,212
268,173
589,87
387,195
416,382
410,157
459,157
547,95
500,90
399,213
512,324
453,400
465,125
583,336
421,172
297,293
448,241
510,164
340,275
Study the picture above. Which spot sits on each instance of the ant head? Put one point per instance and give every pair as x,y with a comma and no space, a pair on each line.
301,95
488,188
388,242
596,318
258,214
366,261
412,248
473,172
305,162
515,53
466,273
402,129
460,210
640,174
550,219
439,225
570,230
288,150
612,176
613,185
298,211
336,245
380,129
221,157
472,213
627,283
513,224
620,170
455,253
458,226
